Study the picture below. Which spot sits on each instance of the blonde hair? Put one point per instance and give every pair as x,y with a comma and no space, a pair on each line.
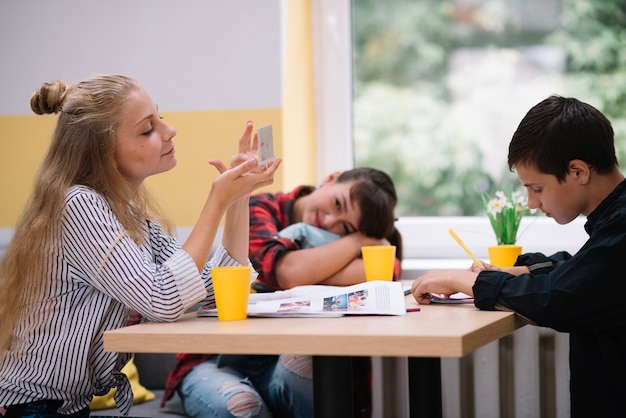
82,152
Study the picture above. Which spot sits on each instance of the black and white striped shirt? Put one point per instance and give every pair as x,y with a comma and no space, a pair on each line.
97,275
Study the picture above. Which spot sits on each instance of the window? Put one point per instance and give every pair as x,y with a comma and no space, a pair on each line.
434,89
441,85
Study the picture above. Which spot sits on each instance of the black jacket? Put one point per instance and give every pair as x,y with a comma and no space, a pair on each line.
584,295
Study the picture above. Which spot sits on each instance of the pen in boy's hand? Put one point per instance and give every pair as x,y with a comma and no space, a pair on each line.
458,240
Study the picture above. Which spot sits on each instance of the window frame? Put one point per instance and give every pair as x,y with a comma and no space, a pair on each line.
332,60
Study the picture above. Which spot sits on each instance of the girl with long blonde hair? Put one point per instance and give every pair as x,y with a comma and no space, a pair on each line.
92,246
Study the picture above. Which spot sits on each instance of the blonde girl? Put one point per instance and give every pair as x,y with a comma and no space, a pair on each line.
91,246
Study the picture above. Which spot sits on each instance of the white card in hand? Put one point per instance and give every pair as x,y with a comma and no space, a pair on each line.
266,144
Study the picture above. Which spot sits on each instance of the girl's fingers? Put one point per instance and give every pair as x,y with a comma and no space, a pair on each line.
243,177
273,166
244,141
265,175
255,142
221,167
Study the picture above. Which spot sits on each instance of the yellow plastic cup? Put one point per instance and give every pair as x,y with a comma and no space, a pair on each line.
504,255
232,289
379,261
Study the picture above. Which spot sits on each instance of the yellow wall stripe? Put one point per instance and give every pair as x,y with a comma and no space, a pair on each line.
182,192
298,99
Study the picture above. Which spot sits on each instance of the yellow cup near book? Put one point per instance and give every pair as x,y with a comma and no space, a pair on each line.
232,291
379,261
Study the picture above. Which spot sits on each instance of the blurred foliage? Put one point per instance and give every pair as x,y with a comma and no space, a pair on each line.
442,156
593,35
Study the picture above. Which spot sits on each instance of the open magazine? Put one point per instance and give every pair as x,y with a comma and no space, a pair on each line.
369,298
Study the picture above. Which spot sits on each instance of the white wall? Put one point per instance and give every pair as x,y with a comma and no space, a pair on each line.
210,65
190,55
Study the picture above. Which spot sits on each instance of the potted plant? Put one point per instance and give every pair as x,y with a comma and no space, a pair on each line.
505,212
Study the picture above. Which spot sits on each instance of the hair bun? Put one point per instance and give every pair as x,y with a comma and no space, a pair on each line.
49,98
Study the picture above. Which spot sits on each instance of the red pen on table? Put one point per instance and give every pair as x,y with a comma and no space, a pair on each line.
412,309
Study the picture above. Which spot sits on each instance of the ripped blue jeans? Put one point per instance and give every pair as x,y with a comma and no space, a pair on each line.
249,386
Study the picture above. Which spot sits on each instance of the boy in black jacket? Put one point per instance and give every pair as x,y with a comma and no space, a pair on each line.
564,155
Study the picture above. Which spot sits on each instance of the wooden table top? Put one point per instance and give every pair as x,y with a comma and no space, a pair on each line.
434,331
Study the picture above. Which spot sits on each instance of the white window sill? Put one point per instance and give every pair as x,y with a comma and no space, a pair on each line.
427,245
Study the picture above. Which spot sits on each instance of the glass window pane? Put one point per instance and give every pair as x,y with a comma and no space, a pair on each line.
440,86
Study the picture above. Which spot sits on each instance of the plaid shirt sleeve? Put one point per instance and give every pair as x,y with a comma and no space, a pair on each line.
270,213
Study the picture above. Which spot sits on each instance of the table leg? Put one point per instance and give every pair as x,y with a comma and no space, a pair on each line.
425,387
332,387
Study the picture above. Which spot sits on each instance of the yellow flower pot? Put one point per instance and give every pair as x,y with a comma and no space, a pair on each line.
504,255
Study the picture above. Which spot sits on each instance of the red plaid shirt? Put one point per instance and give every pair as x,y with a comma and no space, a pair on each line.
270,213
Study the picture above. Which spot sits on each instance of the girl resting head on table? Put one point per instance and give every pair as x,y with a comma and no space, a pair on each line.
314,235
90,249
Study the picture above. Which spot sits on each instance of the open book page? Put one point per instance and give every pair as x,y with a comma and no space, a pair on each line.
290,293
369,298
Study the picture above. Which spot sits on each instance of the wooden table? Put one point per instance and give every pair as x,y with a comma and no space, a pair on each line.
435,331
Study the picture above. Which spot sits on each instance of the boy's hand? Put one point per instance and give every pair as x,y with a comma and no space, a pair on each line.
444,282
483,266
515,270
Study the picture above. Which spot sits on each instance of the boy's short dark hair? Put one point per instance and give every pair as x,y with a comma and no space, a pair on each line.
558,130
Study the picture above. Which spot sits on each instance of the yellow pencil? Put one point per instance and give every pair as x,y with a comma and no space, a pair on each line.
458,240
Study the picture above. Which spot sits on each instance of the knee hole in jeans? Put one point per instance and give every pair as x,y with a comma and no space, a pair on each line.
242,401
300,365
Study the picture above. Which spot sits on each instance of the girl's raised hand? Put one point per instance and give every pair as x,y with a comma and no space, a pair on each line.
244,178
244,175
248,146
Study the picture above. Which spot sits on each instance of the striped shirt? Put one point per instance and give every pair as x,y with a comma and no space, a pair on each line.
98,275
